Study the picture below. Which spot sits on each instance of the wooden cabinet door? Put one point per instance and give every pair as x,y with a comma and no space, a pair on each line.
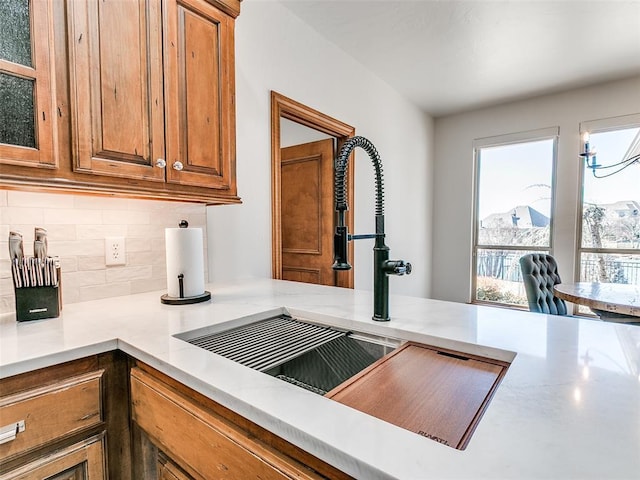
204,444
199,95
116,88
81,461
26,104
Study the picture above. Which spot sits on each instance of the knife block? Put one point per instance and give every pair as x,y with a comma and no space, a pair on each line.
37,303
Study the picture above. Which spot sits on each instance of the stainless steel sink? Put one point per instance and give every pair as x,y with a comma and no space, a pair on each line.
327,366
439,392
312,356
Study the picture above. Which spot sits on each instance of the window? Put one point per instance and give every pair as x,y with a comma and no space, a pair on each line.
513,210
609,231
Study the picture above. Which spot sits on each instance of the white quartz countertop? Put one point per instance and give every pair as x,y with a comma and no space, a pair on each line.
568,407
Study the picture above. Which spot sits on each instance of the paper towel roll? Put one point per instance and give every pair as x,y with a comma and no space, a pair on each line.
185,255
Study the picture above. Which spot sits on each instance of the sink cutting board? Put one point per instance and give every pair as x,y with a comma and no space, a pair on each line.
437,393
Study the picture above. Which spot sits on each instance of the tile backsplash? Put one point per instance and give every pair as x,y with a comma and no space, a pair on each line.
77,226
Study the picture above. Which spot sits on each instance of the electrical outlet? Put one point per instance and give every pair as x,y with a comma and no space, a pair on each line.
114,252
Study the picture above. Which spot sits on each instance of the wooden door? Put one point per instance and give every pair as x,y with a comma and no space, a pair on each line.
116,88
199,95
307,207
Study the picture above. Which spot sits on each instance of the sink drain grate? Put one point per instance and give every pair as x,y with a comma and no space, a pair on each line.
268,343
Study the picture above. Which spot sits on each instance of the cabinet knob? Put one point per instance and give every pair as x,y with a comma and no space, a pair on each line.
160,163
177,165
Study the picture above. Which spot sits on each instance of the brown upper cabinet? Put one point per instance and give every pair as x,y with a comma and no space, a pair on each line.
145,99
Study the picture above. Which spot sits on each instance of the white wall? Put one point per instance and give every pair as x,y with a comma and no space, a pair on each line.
292,133
277,51
77,226
453,191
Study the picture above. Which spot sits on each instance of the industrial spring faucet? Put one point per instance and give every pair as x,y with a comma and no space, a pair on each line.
382,266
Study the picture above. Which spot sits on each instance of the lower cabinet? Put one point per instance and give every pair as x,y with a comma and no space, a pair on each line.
185,435
109,416
67,421
82,461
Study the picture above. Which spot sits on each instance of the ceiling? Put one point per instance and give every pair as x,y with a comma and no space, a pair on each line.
451,56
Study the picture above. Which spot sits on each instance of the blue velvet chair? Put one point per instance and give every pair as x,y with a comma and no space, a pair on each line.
540,274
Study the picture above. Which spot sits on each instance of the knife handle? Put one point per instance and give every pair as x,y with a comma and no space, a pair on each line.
39,250
16,249
40,236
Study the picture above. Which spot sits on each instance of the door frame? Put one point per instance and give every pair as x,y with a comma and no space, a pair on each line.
284,107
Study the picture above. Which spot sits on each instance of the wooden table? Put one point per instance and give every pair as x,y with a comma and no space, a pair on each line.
612,302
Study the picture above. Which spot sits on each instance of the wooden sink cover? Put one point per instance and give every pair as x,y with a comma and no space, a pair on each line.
437,393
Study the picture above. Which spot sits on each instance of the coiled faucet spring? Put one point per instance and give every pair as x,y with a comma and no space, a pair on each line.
342,162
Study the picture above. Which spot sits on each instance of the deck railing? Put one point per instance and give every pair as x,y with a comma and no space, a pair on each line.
504,265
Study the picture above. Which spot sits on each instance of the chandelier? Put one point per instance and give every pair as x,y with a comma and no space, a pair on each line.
630,157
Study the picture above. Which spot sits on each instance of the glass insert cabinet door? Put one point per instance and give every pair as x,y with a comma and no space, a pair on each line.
26,120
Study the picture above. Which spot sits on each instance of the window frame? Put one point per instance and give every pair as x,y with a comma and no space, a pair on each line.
548,133
596,126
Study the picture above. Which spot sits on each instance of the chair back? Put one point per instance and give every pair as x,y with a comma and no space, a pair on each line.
540,274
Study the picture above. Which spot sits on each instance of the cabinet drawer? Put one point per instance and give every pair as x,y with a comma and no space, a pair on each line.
51,412
200,441
81,461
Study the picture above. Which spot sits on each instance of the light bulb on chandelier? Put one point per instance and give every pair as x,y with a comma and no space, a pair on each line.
589,156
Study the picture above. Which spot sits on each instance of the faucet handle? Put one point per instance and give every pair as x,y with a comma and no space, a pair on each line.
397,267
402,268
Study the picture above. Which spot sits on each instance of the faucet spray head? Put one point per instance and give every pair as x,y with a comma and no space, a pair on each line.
341,249
340,242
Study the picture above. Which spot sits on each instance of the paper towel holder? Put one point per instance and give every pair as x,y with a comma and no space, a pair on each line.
166,299
181,299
